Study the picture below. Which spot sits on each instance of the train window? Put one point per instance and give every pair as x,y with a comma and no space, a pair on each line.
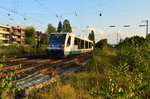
55,39
90,45
79,43
86,44
76,41
82,44
69,41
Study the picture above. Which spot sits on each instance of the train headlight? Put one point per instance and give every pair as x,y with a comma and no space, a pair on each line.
61,46
49,45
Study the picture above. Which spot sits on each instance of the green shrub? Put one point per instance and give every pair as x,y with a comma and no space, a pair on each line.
18,50
7,88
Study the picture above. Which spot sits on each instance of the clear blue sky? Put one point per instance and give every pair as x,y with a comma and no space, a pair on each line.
81,13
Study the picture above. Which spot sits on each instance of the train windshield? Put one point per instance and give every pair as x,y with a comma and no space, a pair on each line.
57,39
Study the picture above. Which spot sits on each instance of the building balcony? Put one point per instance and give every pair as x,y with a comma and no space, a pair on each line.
4,32
3,38
17,33
23,34
14,39
18,39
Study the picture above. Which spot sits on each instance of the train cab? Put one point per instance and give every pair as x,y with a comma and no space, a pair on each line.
55,46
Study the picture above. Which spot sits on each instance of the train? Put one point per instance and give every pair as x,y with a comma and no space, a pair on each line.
66,44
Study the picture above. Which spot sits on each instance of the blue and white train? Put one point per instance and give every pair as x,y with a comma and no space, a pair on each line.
66,44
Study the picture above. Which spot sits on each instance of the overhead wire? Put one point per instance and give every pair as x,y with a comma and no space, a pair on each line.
23,16
51,11
18,5
89,8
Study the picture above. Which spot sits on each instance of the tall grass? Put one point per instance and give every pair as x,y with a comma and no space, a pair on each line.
108,75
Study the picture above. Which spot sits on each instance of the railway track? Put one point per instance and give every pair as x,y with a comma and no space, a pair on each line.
38,72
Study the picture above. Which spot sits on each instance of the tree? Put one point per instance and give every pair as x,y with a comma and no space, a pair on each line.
147,39
50,29
92,36
102,44
30,37
132,41
44,38
67,26
59,28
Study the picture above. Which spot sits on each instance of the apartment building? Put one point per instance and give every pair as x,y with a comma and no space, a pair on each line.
17,35
11,34
5,35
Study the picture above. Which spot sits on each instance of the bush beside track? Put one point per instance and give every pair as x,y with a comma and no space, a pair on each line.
20,50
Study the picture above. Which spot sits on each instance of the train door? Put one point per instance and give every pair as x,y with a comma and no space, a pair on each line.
68,41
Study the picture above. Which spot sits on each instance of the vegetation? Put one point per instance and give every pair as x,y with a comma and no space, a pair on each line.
59,28
133,41
42,40
19,50
13,50
7,89
102,44
113,73
67,26
50,29
30,36
121,72
92,36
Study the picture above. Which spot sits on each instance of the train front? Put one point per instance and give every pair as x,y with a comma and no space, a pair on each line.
55,47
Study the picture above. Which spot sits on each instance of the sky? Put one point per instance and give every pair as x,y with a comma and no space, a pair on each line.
84,16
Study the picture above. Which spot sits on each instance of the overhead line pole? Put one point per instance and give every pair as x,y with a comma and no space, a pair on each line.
146,27
117,38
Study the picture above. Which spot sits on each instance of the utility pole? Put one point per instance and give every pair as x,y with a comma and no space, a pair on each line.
117,38
145,25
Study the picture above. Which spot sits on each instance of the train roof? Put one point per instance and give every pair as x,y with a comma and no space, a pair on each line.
72,34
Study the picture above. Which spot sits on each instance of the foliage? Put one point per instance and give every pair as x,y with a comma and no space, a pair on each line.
59,28
92,36
147,39
67,26
133,41
135,54
7,87
50,29
44,39
102,44
19,50
30,38
12,50
41,49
